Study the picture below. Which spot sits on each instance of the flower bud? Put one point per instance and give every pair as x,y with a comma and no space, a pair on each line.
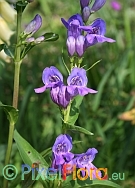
71,45
84,3
97,5
39,39
31,39
86,14
33,26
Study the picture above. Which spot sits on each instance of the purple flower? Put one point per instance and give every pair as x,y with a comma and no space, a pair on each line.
73,25
95,33
61,150
84,160
116,5
51,77
60,93
53,80
33,26
77,82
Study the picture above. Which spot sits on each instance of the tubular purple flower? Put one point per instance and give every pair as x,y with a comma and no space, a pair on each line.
33,26
53,80
86,13
77,82
84,160
51,77
61,150
95,33
84,3
97,5
60,96
71,45
80,45
73,25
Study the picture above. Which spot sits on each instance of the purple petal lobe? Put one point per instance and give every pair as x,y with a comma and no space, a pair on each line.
63,144
51,75
77,77
40,90
65,23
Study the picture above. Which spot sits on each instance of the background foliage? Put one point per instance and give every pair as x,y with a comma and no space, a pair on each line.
114,78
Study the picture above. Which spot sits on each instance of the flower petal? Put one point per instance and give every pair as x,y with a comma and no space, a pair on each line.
71,45
77,77
68,156
63,140
102,39
60,96
51,75
80,45
40,90
65,23
76,17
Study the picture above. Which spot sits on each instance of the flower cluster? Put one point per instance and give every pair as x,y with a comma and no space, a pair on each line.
62,94
62,155
77,41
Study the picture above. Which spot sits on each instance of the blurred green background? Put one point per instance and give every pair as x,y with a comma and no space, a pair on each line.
114,78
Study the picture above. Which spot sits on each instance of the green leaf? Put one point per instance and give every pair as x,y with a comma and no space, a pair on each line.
30,156
71,117
50,37
103,184
27,152
89,183
78,129
11,112
1,47
8,51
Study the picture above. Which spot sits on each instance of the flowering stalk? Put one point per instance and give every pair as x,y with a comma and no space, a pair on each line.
17,63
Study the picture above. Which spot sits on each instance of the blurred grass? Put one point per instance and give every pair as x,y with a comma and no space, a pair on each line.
113,77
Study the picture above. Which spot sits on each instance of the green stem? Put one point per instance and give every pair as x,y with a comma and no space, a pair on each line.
17,61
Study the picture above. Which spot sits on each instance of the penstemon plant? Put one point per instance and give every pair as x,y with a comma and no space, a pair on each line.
61,172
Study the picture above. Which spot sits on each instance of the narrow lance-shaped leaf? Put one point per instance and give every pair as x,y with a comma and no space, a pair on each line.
78,129
50,37
27,152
